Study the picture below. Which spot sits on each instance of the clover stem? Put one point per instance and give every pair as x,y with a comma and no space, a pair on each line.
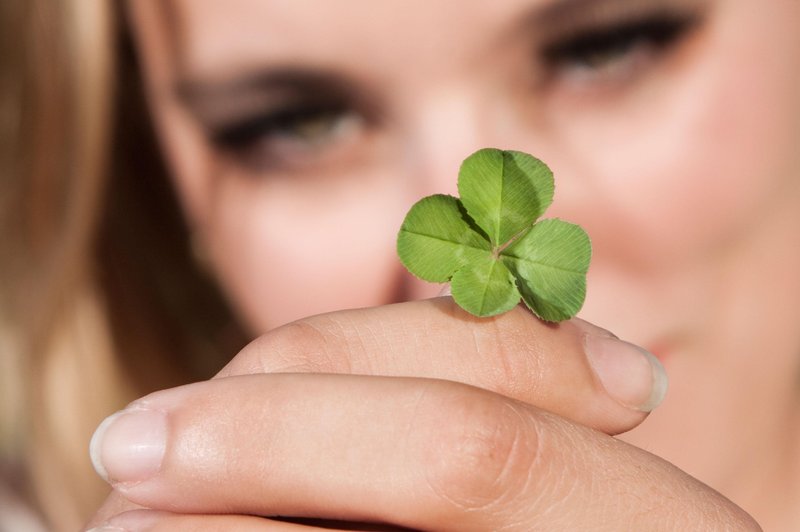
497,250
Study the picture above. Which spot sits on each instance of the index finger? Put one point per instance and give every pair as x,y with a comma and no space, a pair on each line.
573,368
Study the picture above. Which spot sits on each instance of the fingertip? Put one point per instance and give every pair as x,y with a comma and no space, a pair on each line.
631,375
96,445
129,446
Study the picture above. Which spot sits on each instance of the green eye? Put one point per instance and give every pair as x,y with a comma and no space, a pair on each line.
606,47
315,127
489,245
311,124
603,57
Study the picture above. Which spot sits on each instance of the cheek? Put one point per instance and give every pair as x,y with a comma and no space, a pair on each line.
284,250
713,150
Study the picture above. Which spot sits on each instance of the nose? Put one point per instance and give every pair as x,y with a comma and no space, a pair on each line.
447,127
443,128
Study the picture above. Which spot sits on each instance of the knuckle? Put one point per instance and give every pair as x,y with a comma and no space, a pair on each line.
516,369
482,450
308,345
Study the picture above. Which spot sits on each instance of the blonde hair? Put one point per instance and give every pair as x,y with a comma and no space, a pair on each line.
100,301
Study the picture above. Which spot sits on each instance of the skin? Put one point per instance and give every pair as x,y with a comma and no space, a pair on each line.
681,165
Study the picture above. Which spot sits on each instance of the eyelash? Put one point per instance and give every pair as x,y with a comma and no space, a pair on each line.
591,51
280,121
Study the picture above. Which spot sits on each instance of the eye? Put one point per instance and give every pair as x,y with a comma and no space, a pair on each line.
614,51
297,133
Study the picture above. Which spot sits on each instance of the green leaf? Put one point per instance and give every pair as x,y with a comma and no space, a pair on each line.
489,245
485,288
550,263
504,191
435,240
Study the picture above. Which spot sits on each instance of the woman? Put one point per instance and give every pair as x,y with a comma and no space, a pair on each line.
90,318
298,135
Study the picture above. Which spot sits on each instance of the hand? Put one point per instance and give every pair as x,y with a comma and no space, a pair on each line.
413,415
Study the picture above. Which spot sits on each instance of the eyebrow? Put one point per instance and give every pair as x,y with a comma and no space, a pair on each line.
272,79
286,81
561,11
572,16
283,84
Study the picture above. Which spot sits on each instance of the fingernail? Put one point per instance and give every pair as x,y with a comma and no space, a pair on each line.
445,291
631,375
128,446
107,528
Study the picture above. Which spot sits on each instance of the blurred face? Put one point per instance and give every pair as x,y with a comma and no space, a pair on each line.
300,132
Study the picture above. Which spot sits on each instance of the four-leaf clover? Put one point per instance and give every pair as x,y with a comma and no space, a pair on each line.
489,245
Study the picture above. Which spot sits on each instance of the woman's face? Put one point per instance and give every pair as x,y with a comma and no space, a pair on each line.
300,132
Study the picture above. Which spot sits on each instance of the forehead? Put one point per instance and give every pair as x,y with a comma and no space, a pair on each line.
216,36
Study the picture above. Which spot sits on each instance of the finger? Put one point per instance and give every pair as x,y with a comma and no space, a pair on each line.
573,369
117,513
158,521
114,504
419,453
142,519
508,355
